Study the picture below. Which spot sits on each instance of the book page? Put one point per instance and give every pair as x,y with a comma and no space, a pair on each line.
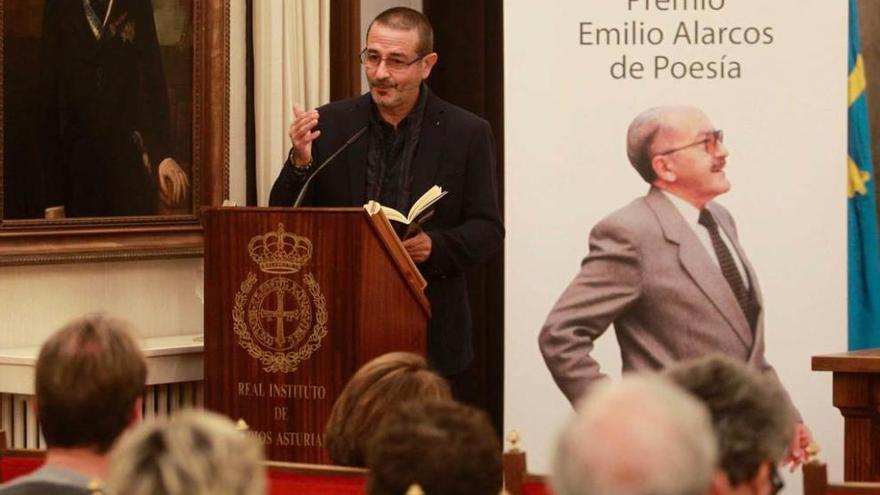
395,215
374,207
425,201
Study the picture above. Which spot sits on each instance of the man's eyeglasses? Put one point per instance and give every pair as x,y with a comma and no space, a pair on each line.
371,60
711,141
776,483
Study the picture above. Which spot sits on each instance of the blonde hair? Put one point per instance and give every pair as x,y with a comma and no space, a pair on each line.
378,387
194,452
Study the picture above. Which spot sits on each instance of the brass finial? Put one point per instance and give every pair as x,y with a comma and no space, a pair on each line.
513,440
241,425
812,451
54,213
415,489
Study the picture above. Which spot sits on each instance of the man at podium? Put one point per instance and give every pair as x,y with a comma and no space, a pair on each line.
395,143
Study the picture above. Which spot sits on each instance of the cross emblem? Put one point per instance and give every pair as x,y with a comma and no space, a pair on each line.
280,316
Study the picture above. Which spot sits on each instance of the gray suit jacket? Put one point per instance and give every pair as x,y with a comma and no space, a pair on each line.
649,275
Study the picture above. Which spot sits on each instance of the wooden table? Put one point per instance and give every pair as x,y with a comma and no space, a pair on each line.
856,393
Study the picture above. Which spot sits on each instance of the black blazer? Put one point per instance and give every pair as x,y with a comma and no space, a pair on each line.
457,152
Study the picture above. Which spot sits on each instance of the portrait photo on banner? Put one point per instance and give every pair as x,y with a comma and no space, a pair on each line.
97,113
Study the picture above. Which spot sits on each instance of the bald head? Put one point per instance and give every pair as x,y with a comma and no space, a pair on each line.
652,127
639,436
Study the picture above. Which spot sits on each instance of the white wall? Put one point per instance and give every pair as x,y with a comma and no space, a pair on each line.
566,168
160,297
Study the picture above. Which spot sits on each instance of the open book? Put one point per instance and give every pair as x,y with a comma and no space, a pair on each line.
410,224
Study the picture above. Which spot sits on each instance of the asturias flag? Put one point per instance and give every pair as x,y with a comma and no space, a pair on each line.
864,264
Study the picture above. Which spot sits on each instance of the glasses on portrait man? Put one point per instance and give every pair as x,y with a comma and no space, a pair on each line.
371,60
711,141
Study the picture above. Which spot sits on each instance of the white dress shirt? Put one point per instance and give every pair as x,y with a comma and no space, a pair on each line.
692,217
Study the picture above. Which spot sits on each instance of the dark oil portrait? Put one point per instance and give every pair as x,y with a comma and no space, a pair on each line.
97,108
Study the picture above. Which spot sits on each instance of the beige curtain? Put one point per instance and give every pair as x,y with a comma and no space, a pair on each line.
291,65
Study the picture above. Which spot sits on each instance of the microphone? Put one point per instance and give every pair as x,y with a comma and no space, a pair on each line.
302,191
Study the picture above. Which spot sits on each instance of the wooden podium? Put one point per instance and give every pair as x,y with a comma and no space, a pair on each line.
856,391
296,300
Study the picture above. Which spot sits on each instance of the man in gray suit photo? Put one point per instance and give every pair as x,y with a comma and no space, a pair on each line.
667,269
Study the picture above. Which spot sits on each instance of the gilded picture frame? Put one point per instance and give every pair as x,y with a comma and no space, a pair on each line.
31,231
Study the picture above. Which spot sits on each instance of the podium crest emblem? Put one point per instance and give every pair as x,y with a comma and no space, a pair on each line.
282,321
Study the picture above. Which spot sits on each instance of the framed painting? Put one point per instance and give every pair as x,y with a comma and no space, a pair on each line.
114,125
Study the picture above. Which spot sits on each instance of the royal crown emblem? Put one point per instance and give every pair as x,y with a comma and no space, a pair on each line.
280,252
281,322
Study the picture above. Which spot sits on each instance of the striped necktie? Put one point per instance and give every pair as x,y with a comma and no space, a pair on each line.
728,264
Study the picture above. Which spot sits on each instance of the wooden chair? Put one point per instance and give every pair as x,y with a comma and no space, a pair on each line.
517,479
816,483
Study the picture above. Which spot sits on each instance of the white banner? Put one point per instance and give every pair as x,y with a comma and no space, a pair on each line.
772,75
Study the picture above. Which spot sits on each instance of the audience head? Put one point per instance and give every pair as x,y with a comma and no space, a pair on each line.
444,447
191,453
751,417
89,379
639,436
376,388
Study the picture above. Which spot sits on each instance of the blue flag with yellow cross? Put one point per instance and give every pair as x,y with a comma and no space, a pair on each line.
864,259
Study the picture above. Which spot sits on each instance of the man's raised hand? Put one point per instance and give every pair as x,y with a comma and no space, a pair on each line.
302,134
